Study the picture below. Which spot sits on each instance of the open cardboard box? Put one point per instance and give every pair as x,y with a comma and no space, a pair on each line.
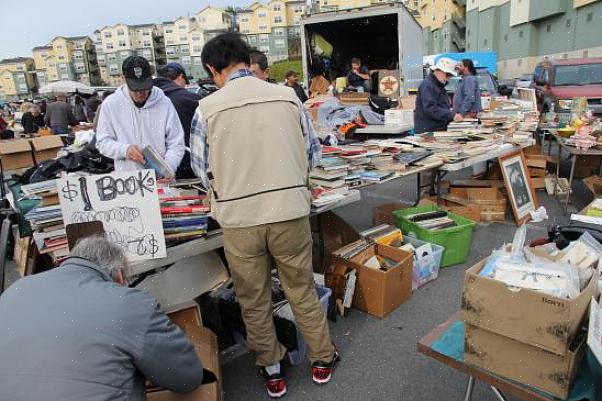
15,154
380,292
527,316
46,147
205,344
526,364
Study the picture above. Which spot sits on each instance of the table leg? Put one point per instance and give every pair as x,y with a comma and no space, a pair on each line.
4,234
498,394
557,170
418,189
469,389
568,195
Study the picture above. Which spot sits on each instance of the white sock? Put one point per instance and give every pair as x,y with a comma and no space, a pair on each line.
273,369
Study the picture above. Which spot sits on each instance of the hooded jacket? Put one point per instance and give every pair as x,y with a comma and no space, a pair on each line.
121,124
89,339
185,103
432,111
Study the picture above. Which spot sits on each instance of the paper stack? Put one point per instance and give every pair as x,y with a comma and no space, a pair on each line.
184,217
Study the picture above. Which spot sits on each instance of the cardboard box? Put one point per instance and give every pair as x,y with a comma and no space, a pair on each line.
188,316
330,232
380,292
537,172
15,154
205,344
450,205
537,161
530,317
407,102
523,363
489,204
46,147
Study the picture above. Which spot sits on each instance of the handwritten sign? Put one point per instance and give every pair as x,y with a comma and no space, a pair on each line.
127,204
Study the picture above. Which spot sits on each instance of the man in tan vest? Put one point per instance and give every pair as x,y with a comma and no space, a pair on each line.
253,146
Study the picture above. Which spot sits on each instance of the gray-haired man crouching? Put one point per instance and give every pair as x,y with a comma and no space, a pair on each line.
78,332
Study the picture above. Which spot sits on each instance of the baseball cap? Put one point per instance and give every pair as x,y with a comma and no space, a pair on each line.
178,69
446,65
137,72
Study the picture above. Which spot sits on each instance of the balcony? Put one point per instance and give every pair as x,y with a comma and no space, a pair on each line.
459,20
458,41
461,3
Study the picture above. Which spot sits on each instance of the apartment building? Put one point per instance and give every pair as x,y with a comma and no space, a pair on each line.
273,28
17,78
443,23
186,36
524,32
116,43
67,58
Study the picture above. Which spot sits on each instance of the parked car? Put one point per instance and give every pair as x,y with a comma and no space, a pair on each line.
487,84
524,81
557,82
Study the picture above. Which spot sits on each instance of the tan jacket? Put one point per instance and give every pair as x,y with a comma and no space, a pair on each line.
258,167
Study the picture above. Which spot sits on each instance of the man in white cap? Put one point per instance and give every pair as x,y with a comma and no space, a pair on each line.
433,109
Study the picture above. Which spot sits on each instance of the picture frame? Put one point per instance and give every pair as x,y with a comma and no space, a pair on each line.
518,185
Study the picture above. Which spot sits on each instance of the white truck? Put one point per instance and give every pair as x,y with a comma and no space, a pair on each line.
385,37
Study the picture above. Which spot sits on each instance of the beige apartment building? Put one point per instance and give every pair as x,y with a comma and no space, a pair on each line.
17,78
116,43
273,27
186,36
67,58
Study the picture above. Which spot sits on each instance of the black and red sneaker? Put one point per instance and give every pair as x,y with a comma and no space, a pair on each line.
321,372
274,384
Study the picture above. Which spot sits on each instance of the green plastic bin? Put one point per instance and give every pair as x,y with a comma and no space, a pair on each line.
455,240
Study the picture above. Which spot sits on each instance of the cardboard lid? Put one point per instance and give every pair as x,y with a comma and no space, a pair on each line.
14,146
47,142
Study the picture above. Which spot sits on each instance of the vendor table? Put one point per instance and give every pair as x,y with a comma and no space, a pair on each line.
446,345
574,153
384,129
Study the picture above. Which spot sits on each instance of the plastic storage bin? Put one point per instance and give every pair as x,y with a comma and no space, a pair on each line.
456,240
427,271
297,356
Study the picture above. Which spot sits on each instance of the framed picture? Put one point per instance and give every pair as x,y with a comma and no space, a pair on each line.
518,185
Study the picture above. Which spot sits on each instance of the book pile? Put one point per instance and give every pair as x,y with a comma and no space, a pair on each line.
49,233
432,220
184,217
45,191
330,174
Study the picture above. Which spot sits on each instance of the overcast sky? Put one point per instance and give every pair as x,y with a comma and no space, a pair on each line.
29,23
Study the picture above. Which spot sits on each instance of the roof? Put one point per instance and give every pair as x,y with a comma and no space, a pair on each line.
167,22
15,60
141,26
573,61
77,37
41,48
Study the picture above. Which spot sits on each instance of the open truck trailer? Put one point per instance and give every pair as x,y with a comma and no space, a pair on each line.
384,37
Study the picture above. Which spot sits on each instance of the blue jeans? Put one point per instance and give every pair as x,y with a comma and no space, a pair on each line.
59,130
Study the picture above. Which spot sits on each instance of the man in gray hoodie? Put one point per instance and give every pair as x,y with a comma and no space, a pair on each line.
136,116
77,332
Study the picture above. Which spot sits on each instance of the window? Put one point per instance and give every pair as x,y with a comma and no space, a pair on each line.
244,19
262,14
263,27
61,57
264,39
185,50
125,54
64,76
112,57
78,56
590,17
146,33
120,32
171,51
279,32
63,67
109,46
485,42
169,30
202,20
181,27
568,23
585,54
197,49
186,60
505,37
114,68
147,43
122,43
277,19
520,62
101,58
548,28
246,30
197,61
183,39
196,38
276,7
264,49
280,43
520,33
170,42
108,35
60,47
80,67
147,53
298,9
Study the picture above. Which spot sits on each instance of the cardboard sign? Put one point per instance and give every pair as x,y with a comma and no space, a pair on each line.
126,203
594,334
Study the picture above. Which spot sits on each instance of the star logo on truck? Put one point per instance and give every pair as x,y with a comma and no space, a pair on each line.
389,85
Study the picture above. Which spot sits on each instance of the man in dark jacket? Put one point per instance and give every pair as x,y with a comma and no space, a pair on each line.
88,335
32,120
172,81
291,81
433,110
59,116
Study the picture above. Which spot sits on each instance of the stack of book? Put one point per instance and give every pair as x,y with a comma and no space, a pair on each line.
45,191
184,217
49,234
376,176
432,220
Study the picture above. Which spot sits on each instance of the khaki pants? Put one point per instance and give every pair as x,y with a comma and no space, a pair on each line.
248,252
